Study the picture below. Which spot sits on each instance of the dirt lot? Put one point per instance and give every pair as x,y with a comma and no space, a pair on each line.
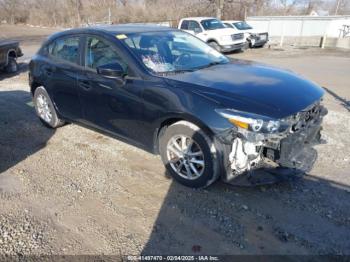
74,191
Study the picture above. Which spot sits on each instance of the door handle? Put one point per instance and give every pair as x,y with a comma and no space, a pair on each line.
84,84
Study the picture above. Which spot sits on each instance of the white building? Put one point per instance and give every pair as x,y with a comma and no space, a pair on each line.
305,30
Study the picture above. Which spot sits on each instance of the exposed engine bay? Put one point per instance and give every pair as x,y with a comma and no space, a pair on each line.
291,148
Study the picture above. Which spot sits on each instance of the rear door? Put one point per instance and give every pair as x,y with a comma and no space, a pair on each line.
61,75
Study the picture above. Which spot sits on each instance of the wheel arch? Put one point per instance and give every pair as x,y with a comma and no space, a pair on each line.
171,119
11,53
33,86
212,40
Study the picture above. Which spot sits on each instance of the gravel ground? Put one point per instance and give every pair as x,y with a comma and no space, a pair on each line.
73,191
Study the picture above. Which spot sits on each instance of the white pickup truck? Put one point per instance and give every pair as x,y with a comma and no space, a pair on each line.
214,32
252,36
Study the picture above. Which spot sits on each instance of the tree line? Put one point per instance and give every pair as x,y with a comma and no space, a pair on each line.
71,13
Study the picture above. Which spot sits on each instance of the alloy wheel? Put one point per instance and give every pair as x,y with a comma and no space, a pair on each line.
185,157
43,108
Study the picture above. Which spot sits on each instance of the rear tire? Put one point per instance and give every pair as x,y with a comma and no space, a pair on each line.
12,66
193,163
45,109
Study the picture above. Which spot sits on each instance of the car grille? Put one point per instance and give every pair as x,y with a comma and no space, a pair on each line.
237,36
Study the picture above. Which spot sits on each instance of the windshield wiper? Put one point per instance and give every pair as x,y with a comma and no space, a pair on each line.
179,71
210,65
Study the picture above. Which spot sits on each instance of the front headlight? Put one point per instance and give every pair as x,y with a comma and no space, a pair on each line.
226,38
253,122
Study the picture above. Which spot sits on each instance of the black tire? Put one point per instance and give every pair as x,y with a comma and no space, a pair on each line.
55,121
12,66
215,45
211,167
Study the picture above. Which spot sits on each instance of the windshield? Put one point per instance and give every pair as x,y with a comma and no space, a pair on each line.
242,26
172,51
212,24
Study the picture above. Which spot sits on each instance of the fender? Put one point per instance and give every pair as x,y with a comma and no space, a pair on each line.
212,39
174,117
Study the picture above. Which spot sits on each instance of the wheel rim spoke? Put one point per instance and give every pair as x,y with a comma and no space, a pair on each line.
198,162
175,151
199,153
180,166
176,145
188,171
189,146
194,169
183,143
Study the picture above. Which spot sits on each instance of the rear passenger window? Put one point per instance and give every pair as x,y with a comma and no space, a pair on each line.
66,49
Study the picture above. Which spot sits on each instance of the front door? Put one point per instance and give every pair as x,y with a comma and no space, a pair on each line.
109,104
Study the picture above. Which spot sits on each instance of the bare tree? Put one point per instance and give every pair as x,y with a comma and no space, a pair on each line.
78,12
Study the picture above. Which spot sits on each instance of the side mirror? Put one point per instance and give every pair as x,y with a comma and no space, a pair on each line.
114,70
197,30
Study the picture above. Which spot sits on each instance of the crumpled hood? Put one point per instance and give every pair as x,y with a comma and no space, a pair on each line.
251,87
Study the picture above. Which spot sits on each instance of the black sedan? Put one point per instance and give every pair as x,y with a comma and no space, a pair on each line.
168,92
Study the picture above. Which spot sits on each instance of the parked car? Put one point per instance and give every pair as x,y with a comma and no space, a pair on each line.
254,37
168,92
214,32
9,52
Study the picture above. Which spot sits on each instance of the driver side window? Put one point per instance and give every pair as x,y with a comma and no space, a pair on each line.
99,53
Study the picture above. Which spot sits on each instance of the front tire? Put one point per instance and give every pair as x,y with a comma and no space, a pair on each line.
189,155
215,45
45,109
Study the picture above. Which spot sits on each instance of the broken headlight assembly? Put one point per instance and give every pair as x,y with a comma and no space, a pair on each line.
258,140
253,122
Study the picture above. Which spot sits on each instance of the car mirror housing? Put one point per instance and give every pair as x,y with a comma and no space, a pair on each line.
114,70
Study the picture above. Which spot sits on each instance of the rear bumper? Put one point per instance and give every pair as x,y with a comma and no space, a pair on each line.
230,48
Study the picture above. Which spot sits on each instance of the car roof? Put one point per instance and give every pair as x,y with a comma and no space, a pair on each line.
115,29
198,19
232,21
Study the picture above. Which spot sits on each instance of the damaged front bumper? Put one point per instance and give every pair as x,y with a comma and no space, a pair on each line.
257,156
